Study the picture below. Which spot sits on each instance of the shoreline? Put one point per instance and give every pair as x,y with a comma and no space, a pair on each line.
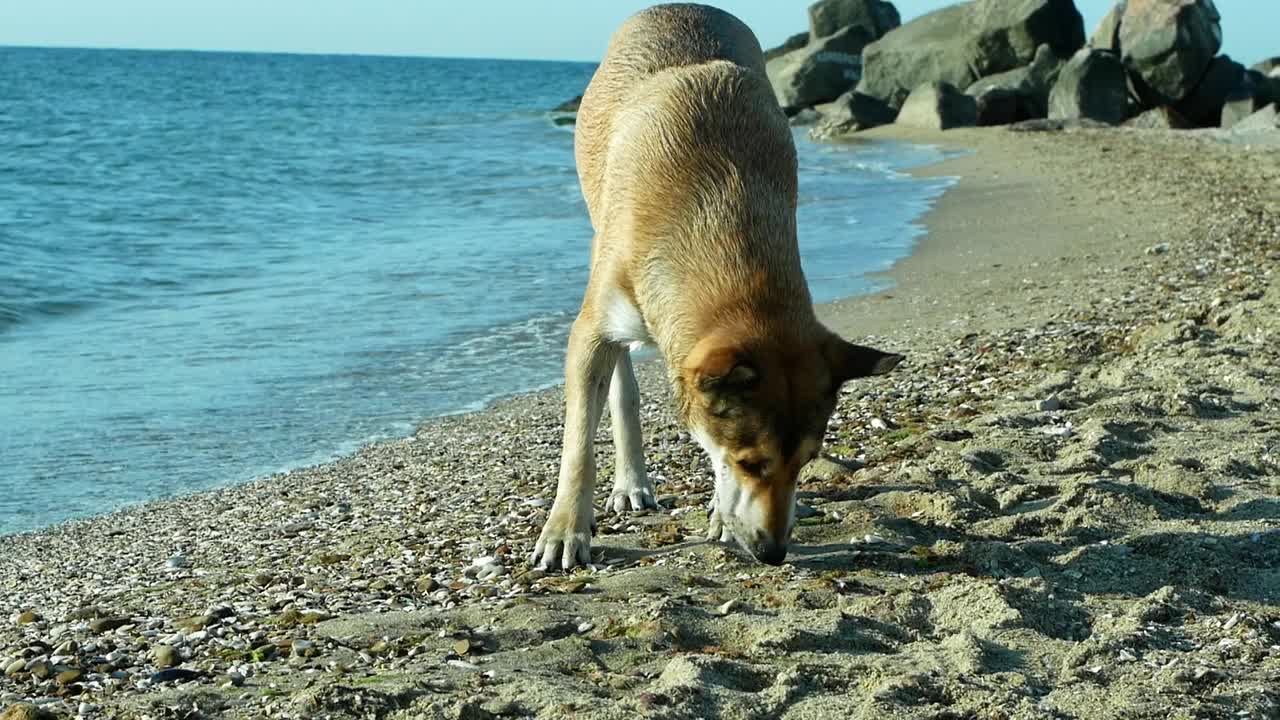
1066,507
485,404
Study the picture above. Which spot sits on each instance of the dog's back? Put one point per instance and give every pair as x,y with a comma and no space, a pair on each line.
681,54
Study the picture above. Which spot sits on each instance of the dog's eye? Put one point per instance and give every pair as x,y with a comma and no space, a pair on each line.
752,467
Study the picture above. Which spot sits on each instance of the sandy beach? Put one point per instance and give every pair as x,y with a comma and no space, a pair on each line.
1063,505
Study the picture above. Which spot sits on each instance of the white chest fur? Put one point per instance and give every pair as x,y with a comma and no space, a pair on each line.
623,323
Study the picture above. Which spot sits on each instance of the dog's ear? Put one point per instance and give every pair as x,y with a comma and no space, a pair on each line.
849,361
721,369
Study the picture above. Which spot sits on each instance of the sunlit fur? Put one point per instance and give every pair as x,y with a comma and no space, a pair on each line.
689,172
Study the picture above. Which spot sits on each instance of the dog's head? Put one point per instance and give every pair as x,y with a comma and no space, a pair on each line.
760,410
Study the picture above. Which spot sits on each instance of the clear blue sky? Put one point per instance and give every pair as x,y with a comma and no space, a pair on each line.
556,29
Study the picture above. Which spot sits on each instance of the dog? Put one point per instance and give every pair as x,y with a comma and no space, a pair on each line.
688,168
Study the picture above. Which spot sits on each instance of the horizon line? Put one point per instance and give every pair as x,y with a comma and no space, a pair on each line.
308,53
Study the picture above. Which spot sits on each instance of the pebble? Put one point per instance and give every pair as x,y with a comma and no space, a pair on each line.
15,667
27,618
165,656
728,607
176,562
586,627
102,625
1050,404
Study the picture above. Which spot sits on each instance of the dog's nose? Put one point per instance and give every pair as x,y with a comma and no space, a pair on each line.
769,551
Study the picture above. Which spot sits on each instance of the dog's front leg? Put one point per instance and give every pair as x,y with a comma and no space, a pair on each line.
632,489
566,537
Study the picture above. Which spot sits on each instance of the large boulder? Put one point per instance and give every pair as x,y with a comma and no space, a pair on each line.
1092,86
791,44
821,71
962,43
1169,44
1020,94
826,17
852,112
938,106
1107,35
1203,106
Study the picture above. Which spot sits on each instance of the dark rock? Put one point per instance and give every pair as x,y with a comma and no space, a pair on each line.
1002,106
1165,118
791,44
1092,85
1107,36
102,625
962,43
1169,45
852,112
1029,86
1203,106
569,105
819,72
938,106
877,17
175,675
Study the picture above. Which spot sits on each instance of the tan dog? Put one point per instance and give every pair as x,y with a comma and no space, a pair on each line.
689,172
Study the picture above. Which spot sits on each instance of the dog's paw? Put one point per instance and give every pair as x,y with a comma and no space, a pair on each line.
563,545
632,497
716,528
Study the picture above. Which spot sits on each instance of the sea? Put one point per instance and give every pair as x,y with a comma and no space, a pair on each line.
218,266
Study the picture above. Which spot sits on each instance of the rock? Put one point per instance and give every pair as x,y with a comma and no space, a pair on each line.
807,116
15,667
1203,106
728,608
27,618
69,677
1050,404
827,17
852,112
177,562
1161,118
427,584
791,44
1107,36
102,625
938,106
40,670
1268,118
1255,92
165,656
1019,94
826,469
1092,85
1169,44
568,106
962,43
175,675
1269,67
819,72
26,711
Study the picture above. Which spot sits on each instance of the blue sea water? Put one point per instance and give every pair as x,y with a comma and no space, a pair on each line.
217,266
